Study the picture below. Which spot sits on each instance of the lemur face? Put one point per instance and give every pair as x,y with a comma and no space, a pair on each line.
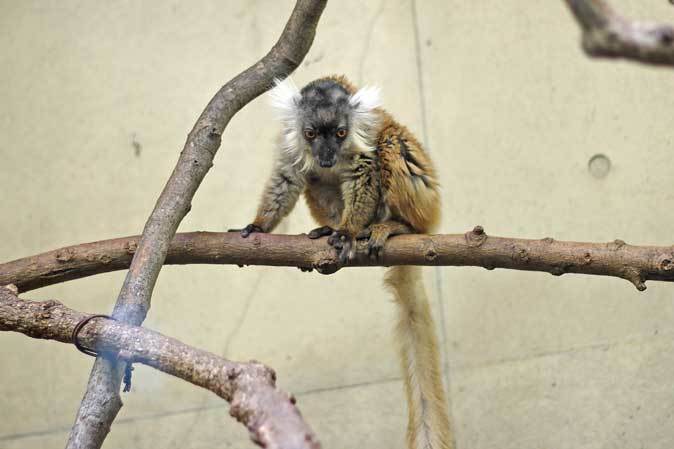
324,116
324,121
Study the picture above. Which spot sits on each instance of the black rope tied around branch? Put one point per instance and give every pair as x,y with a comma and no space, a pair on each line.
88,351
75,335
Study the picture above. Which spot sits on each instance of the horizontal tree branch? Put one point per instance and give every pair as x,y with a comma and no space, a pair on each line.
607,34
634,263
269,414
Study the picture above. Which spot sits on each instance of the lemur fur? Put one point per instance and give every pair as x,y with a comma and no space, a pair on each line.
364,175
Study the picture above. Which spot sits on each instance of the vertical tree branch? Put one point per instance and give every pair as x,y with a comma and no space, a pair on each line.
101,401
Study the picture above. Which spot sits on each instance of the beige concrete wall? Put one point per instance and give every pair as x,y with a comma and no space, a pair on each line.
95,103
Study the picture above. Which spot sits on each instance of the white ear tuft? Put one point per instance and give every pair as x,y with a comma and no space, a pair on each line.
366,99
364,117
285,97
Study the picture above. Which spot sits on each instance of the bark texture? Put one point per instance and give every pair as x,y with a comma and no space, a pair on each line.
269,414
475,248
101,401
607,34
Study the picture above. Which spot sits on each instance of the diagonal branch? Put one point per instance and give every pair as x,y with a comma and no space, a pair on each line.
607,34
269,414
101,401
634,263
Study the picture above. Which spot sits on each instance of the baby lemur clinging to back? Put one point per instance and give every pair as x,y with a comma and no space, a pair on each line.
364,175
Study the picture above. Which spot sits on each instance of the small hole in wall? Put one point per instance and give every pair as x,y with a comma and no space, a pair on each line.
599,166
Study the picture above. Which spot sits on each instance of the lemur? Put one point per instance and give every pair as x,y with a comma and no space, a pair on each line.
364,176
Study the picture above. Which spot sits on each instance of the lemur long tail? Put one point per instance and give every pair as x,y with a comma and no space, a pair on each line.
428,425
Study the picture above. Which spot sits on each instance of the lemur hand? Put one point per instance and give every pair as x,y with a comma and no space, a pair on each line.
248,230
320,232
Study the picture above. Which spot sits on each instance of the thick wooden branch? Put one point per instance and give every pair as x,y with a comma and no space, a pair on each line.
634,263
269,414
197,155
607,34
101,401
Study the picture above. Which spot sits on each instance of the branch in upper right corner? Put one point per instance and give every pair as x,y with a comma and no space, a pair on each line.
607,34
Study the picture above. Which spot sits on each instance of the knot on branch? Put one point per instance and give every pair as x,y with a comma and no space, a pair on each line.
520,253
327,266
616,245
206,138
243,380
476,237
430,251
65,255
587,258
47,307
430,254
188,247
636,277
253,369
664,262
130,246
326,262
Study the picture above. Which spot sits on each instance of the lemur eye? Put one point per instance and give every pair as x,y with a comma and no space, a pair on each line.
341,133
309,134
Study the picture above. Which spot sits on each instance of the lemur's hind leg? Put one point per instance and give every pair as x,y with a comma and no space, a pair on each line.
377,234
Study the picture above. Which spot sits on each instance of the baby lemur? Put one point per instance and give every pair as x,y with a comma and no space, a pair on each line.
364,176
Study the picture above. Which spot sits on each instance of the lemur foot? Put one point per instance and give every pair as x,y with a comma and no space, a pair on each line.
376,236
248,230
320,232
342,241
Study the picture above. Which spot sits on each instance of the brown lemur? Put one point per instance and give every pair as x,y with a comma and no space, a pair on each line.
364,176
